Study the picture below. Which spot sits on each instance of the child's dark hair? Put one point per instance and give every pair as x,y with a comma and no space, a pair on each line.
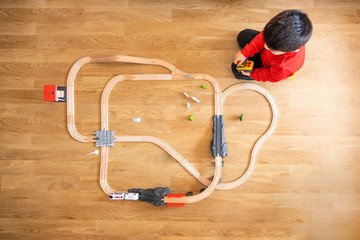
288,31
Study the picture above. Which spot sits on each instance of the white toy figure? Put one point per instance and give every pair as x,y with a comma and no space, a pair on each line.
195,99
188,105
136,120
96,152
187,95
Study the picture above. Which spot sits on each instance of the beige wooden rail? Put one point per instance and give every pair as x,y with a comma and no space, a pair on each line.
176,75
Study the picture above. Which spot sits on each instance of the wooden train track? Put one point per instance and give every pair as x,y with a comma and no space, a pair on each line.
176,75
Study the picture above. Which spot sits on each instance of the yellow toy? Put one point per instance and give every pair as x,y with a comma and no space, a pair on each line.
246,66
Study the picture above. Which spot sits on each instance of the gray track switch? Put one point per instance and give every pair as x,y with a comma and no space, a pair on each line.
218,144
104,138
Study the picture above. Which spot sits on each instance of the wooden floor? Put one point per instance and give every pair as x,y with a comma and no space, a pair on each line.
307,181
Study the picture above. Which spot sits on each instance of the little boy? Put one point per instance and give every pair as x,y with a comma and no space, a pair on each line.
278,51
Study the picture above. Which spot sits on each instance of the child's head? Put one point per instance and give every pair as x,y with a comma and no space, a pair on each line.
288,31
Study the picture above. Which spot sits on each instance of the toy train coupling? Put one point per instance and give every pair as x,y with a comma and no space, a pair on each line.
124,196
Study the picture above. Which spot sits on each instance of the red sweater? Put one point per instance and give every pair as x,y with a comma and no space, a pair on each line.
275,67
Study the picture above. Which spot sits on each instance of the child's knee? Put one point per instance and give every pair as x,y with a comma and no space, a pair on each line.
243,34
246,36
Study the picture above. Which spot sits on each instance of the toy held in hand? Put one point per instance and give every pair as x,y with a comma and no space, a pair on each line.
246,66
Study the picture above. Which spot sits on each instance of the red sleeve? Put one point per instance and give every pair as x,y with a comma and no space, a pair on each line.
255,46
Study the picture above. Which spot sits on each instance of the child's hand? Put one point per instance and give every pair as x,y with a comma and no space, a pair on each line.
239,58
245,73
